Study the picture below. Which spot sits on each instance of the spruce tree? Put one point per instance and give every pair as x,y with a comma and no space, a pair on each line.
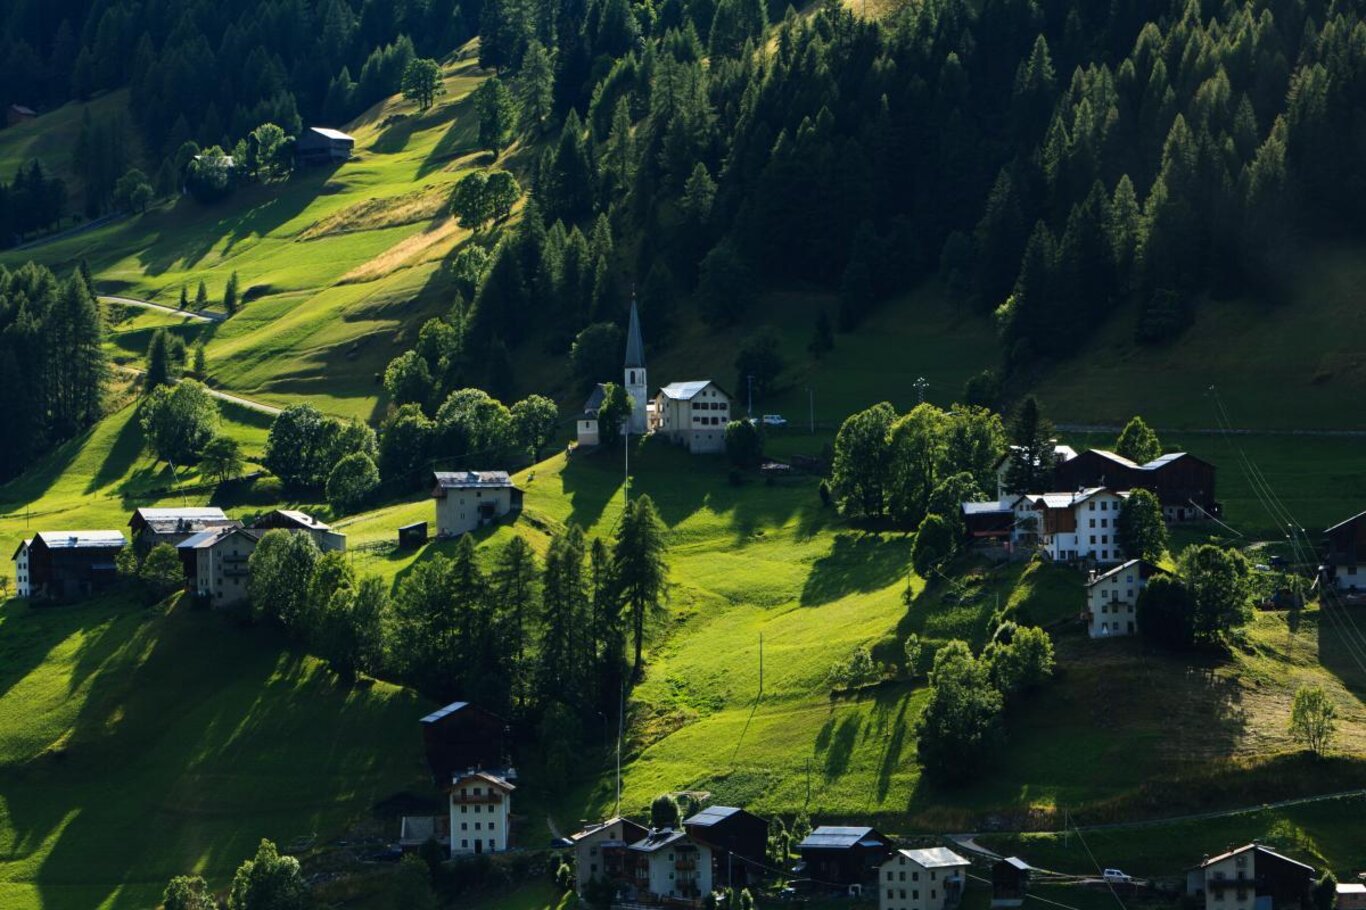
201,296
1031,458
230,295
640,567
160,368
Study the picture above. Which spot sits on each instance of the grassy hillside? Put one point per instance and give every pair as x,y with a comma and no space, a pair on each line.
136,744
51,138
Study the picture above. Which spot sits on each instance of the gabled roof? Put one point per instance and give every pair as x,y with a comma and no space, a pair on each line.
1018,863
1260,849
302,519
442,712
493,780
211,537
627,826
934,858
711,815
1067,500
1342,524
837,837
984,508
22,110
1116,458
595,399
80,540
330,133
472,480
24,545
635,346
685,391
1150,566
177,521
658,838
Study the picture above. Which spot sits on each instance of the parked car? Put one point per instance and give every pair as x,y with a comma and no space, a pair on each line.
1115,877
773,420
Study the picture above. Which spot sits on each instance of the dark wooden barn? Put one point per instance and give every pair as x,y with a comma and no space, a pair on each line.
1183,483
412,535
836,855
461,737
68,565
1009,882
738,840
320,145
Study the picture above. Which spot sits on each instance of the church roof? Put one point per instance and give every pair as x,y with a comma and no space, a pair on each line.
635,346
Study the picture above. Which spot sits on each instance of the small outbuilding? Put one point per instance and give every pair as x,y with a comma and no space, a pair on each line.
586,425
320,145
411,536
17,113
1009,882
327,539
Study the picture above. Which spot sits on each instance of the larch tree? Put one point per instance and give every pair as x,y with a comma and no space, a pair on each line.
641,569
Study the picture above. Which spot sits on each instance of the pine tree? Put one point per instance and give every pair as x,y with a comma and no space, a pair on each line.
638,561
184,298
230,296
1031,457
201,296
514,591
160,368
536,88
564,603
497,114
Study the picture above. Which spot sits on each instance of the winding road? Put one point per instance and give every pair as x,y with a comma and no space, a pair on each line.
258,406
195,315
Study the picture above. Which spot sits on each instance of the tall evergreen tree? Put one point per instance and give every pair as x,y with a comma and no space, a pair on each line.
640,568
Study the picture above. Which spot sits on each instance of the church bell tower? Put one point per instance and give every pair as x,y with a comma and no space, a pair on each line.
636,385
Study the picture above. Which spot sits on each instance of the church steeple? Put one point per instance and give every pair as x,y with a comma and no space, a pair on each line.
636,385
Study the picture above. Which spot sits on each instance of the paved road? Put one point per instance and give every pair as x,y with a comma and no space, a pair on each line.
258,406
197,316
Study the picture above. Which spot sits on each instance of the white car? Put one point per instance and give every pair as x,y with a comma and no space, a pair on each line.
773,420
1115,877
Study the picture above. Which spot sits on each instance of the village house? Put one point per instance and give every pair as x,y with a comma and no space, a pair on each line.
460,736
738,840
1112,598
929,879
1351,896
67,565
694,415
1004,494
1182,483
1252,877
990,523
670,865
586,426
481,813
1345,555
16,114
216,564
320,145
840,855
1071,526
600,851
21,583
327,539
153,526
466,500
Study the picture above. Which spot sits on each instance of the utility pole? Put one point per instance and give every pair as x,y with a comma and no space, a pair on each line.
761,665
811,399
921,385
621,720
750,382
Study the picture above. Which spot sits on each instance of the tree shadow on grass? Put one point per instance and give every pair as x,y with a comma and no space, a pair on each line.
123,454
840,747
590,482
1335,652
856,563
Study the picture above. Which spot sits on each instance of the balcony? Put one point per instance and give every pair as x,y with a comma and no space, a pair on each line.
471,799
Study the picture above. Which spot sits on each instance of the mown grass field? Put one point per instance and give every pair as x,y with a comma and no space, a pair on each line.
137,744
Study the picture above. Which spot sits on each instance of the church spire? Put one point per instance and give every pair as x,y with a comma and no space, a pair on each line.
635,347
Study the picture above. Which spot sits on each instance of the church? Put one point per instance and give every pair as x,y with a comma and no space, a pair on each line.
692,414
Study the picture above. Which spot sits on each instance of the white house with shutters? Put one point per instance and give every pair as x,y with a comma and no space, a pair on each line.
928,879
670,865
693,414
481,813
466,500
21,580
1112,598
1071,526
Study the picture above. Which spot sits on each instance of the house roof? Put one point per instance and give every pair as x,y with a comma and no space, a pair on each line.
595,399
635,346
210,537
984,508
1342,524
599,827
711,815
1154,567
1259,848
330,133
24,545
1116,458
25,111
658,838
685,391
413,526
837,837
80,540
302,519
443,712
1060,453
1067,500
492,780
1018,863
472,480
934,857
173,521
1351,888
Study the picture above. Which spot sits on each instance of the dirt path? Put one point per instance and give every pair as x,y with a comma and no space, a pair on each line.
196,315
258,406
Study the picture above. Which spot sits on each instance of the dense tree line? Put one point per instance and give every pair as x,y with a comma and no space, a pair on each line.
52,363
30,203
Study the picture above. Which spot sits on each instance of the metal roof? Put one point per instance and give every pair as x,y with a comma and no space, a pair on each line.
80,540
471,480
1121,567
330,133
439,713
594,402
1342,524
711,815
502,783
304,519
209,512
1018,863
684,390
635,346
835,837
210,537
1258,847
1115,457
1163,460
984,508
656,839
934,857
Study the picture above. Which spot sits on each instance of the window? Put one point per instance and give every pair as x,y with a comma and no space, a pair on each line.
1103,506
915,877
1091,506
464,826
1105,522
490,843
890,894
490,826
464,809
465,843
903,875
1093,522
890,877
476,826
